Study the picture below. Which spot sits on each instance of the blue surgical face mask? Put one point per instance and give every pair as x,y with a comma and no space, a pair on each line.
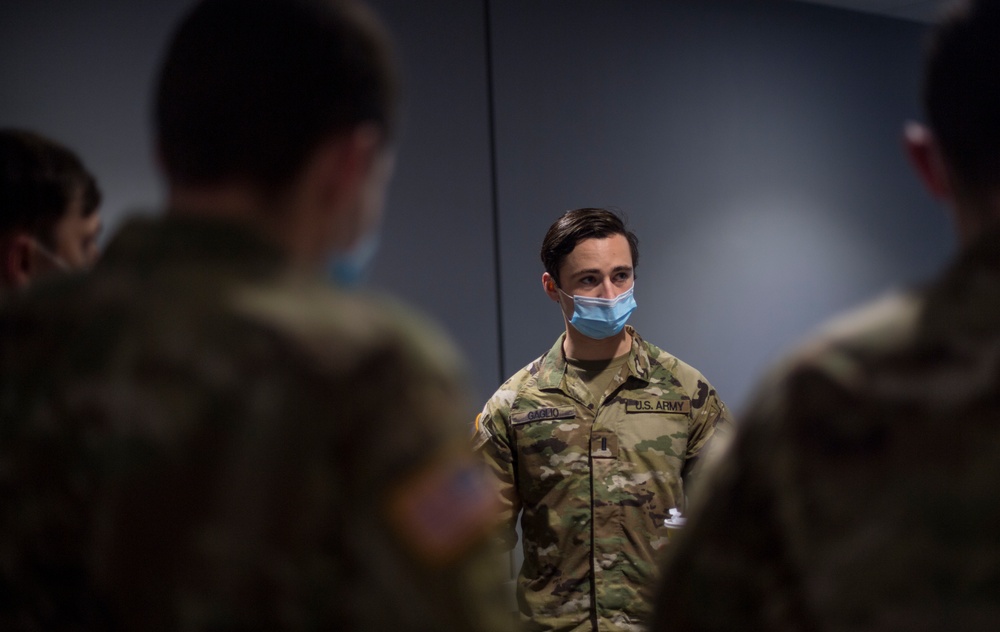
601,318
348,269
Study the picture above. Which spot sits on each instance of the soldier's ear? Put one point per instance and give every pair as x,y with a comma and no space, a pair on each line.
925,156
549,285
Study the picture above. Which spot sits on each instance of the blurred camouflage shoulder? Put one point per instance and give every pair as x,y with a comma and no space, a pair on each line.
194,389
335,326
846,346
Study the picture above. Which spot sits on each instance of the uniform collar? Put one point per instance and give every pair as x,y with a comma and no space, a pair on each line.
552,371
153,242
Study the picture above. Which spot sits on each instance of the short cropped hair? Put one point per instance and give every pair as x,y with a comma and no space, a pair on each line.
250,88
39,179
577,225
961,93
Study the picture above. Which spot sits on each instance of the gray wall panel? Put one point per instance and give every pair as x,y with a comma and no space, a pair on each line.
438,237
754,146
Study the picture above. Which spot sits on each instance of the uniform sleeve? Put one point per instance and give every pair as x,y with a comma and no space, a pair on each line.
711,428
731,567
434,559
492,443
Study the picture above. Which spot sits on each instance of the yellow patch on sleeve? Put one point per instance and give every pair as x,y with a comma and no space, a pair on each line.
445,509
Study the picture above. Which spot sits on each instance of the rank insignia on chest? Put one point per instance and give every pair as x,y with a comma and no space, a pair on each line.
675,406
604,445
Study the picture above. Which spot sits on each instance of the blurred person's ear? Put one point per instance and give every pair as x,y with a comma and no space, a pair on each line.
19,262
925,156
347,176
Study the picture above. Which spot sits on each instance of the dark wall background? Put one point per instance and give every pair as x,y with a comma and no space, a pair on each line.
754,146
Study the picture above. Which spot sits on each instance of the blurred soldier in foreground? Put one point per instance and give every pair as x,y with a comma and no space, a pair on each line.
49,219
203,434
595,441
861,490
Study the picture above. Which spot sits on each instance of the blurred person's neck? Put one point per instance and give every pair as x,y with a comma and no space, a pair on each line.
269,216
326,207
976,215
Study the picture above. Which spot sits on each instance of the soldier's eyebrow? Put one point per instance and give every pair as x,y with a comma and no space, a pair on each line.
582,274
598,271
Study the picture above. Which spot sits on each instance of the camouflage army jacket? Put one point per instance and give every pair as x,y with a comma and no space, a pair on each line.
860,491
196,436
595,480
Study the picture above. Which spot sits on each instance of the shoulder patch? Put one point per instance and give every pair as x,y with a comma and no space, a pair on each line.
540,414
444,509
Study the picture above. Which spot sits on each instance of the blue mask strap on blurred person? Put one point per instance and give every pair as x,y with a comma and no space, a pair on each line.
348,269
56,260
601,318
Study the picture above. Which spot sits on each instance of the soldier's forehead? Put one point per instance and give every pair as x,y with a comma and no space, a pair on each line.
599,254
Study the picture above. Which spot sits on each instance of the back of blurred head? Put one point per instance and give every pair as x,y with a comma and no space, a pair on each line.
957,154
279,113
48,209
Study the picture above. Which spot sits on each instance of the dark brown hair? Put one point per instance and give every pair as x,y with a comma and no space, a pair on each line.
39,179
961,93
250,88
577,225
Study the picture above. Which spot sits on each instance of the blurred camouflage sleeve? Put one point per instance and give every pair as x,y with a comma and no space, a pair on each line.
711,429
289,460
492,443
731,567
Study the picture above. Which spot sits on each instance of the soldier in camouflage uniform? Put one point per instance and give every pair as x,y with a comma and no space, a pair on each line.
860,491
203,433
594,442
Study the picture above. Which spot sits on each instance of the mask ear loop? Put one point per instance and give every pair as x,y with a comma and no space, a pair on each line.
56,260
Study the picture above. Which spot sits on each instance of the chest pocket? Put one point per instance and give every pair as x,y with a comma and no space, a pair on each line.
656,430
552,447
